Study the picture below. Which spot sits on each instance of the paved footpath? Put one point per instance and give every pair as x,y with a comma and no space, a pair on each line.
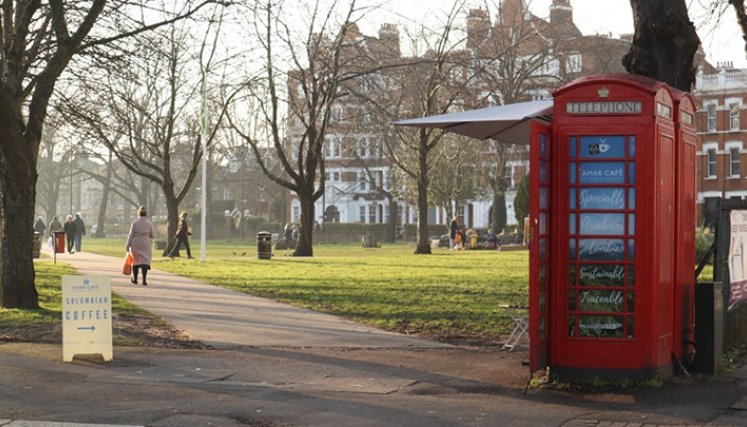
224,318
274,365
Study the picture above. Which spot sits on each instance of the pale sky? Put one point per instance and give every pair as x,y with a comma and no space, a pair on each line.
721,41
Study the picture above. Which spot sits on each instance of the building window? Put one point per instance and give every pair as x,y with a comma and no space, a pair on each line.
573,63
362,180
335,114
711,110
733,161
734,116
362,211
296,215
372,213
711,163
332,148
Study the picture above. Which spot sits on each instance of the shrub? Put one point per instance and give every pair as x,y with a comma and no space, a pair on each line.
703,241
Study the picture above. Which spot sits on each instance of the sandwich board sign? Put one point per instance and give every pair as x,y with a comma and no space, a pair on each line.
86,316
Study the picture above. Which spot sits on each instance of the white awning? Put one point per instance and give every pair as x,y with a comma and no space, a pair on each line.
508,123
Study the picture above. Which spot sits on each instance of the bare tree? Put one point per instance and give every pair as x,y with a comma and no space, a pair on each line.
302,72
149,121
438,83
39,40
454,177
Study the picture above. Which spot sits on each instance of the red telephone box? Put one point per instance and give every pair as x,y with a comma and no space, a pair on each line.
604,226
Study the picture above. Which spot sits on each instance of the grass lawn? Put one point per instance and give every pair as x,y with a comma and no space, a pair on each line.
447,295
45,323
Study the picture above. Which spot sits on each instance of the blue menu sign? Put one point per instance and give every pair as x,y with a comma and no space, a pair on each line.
602,173
602,147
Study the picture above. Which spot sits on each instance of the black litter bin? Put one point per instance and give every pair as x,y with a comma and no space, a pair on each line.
264,245
36,245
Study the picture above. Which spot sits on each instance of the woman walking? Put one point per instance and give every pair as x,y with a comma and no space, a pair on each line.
139,245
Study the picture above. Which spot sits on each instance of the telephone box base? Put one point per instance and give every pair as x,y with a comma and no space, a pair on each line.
575,374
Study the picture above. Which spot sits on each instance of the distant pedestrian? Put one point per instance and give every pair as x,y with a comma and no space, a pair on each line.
182,236
80,231
70,234
39,226
453,230
55,226
139,245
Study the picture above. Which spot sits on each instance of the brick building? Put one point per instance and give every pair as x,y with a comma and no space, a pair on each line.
722,140
512,57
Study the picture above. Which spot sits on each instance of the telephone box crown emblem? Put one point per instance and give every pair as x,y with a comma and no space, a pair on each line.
603,92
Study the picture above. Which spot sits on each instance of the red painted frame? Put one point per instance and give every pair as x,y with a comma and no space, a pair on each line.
540,181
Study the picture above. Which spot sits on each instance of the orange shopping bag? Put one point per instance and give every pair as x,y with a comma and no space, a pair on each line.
127,269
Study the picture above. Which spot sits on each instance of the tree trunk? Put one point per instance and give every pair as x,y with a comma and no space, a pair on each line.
17,197
172,209
106,190
393,219
664,43
499,212
423,244
304,246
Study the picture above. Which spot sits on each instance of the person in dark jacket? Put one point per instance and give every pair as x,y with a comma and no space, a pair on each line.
69,228
453,232
39,226
80,231
182,236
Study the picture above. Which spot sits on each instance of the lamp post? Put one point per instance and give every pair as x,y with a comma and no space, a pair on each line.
203,193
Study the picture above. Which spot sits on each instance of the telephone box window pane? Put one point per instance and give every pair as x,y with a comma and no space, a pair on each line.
631,249
571,326
572,248
571,300
542,327
631,173
572,146
601,275
543,224
542,249
543,172
572,224
631,146
602,224
572,199
631,223
602,198
542,275
631,323
631,276
631,301
602,173
572,172
601,326
601,300
601,250
543,198
543,146
572,274
631,198
602,147
542,300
